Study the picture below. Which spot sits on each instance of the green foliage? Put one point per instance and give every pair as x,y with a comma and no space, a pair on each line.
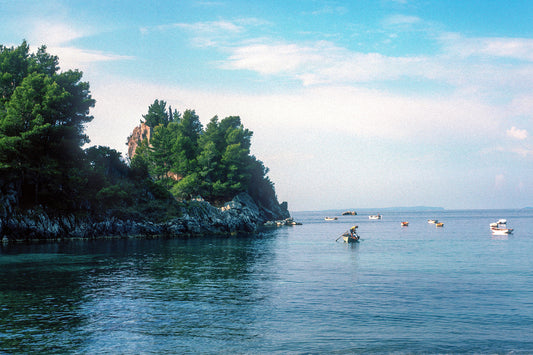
187,187
43,113
214,162
42,121
42,117
158,114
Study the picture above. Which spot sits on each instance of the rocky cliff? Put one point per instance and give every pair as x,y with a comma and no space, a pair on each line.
241,214
137,136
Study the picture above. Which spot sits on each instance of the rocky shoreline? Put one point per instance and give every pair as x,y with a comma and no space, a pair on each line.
198,218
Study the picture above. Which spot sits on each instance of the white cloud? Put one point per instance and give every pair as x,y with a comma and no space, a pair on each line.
270,59
401,20
209,27
340,110
516,133
57,36
523,151
75,58
515,48
330,10
322,62
209,33
54,33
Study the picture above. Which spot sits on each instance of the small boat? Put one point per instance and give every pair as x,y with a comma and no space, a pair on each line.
331,218
375,216
433,221
439,224
502,231
500,228
405,224
351,236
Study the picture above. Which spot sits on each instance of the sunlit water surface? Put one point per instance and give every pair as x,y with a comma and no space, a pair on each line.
416,289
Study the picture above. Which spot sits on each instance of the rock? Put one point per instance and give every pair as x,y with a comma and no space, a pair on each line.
242,214
139,134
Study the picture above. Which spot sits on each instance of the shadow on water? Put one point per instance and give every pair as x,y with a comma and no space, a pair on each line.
123,294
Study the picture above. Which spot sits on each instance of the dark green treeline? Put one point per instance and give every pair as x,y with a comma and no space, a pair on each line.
190,161
43,165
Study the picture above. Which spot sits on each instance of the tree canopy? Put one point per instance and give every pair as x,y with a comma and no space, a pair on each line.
191,161
43,113
42,118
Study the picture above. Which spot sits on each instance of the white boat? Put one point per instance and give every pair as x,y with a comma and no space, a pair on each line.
501,231
500,228
331,218
375,216
433,221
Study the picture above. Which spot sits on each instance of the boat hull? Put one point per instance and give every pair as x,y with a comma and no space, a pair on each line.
350,239
501,231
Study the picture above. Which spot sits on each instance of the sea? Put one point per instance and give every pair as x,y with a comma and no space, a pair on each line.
290,290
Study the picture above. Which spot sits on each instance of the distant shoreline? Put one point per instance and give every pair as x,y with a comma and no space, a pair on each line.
412,209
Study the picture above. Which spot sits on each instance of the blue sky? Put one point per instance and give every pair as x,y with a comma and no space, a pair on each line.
353,104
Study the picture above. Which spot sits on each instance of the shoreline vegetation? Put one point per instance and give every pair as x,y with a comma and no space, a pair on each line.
179,179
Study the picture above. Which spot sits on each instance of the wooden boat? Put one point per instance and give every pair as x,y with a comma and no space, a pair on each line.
439,224
331,218
350,238
405,224
375,216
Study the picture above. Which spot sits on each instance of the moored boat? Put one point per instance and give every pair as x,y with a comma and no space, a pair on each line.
375,216
433,221
501,231
331,218
404,224
500,228
439,224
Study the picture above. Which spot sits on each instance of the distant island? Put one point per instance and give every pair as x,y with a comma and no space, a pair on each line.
180,178
389,209
406,208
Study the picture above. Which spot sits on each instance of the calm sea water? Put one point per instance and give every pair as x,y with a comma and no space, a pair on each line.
416,289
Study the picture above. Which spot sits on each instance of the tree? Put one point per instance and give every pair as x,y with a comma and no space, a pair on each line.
14,63
185,149
157,114
214,163
42,121
162,142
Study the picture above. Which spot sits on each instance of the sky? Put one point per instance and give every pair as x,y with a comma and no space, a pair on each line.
353,104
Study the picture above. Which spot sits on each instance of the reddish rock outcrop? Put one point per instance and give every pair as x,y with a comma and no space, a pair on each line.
139,134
